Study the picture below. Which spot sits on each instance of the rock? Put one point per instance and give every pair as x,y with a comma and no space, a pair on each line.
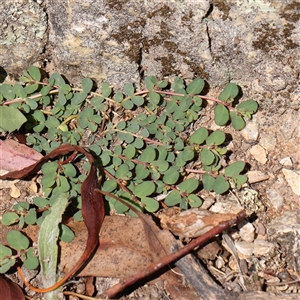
121,41
293,180
257,248
275,199
263,248
250,132
286,161
288,125
22,34
285,231
259,153
245,249
257,176
268,141
247,232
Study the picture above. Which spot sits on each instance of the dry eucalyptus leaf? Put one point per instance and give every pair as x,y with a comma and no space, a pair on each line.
123,250
15,156
9,290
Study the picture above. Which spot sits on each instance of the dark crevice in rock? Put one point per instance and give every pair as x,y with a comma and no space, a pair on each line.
46,55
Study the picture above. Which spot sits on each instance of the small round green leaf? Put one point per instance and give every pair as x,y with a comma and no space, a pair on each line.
129,151
151,204
194,201
230,91
66,234
216,138
161,165
106,90
30,218
208,182
144,189
17,240
154,98
48,181
199,136
237,121
87,85
137,100
249,106
31,88
9,218
40,202
141,171
207,157
189,185
235,169
171,176
4,251
109,185
123,172
221,185
69,170
221,115
35,73
63,184
173,198
50,167
148,155
118,97
196,86
31,262
11,118
127,104
239,180
129,89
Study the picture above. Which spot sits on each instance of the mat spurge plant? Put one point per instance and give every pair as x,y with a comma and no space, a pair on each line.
145,142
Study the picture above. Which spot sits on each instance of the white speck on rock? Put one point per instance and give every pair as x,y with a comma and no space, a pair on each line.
259,153
293,179
250,132
275,199
286,161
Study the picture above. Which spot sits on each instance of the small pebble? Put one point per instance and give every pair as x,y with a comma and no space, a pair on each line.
269,142
275,199
247,232
257,176
259,153
250,132
293,180
262,248
245,249
286,161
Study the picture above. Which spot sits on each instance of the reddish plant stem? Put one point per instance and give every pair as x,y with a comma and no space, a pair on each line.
152,268
182,95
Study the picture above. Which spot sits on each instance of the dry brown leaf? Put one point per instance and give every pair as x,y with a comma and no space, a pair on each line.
9,290
123,250
15,156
